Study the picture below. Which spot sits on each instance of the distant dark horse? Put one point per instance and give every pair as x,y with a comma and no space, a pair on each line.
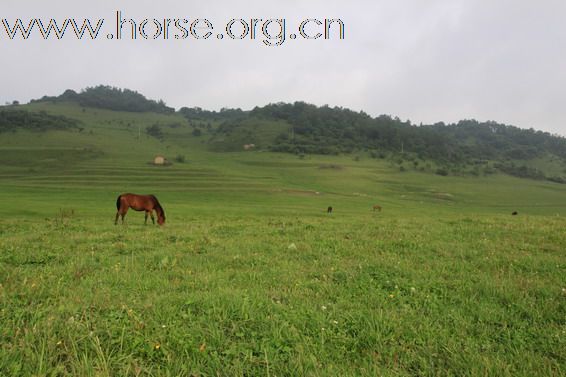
147,203
329,210
515,213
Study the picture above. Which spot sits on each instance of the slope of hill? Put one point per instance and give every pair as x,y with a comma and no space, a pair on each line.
112,152
468,148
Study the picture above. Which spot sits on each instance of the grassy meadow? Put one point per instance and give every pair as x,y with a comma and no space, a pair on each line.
250,275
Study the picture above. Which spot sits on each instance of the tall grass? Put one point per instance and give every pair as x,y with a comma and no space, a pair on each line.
230,296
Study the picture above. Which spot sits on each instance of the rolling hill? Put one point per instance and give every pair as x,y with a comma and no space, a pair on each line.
250,275
468,147
94,148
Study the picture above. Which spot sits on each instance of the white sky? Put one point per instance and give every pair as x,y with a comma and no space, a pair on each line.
427,61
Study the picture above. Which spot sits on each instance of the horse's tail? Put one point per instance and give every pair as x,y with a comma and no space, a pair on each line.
118,202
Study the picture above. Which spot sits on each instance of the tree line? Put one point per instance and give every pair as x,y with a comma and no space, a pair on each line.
335,130
468,145
13,119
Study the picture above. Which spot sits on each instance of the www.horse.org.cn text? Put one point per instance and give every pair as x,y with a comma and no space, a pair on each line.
270,31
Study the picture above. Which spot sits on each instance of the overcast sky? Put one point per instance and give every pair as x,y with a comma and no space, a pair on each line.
426,61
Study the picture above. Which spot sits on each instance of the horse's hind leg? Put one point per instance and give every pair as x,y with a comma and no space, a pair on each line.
119,214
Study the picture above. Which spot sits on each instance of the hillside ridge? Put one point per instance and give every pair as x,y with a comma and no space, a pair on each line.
468,146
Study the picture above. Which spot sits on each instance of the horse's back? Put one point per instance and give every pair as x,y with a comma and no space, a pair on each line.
136,201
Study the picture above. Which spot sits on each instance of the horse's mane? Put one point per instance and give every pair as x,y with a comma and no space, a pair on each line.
158,205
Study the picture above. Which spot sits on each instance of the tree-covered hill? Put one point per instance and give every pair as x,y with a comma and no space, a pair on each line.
336,130
111,98
468,146
325,130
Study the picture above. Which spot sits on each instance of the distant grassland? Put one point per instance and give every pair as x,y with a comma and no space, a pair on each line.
250,276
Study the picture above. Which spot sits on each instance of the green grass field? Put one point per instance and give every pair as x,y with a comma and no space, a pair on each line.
250,275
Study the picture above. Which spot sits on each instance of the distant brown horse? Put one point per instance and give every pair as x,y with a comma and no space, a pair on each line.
147,203
329,210
377,207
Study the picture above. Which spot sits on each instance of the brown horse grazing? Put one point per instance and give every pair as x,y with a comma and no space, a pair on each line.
329,210
377,207
147,203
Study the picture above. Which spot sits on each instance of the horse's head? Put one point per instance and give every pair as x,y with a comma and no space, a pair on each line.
161,220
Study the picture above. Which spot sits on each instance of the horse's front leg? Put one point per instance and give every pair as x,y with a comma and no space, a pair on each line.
116,219
146,214
122,213
152,217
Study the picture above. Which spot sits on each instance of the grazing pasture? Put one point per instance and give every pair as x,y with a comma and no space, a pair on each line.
250,277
